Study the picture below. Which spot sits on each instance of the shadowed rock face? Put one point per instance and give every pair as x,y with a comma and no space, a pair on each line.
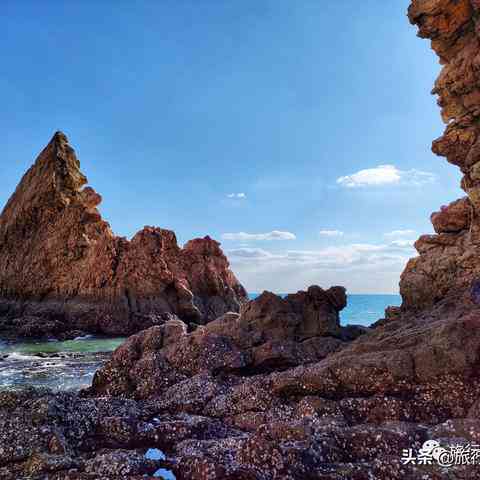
448,266
61,267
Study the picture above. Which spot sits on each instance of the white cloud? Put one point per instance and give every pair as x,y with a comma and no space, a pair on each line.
385,175
331,233
403,243
236,195
361,267
249,253
400,233
246,237
344,256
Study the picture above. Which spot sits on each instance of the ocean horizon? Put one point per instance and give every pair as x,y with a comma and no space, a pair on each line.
361,309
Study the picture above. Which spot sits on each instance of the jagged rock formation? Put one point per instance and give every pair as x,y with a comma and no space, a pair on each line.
270,333
448,268
62,268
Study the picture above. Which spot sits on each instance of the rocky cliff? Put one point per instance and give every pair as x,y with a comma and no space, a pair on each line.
62,268
447,270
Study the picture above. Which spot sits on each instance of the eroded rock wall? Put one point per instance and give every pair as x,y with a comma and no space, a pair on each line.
62,267
448,267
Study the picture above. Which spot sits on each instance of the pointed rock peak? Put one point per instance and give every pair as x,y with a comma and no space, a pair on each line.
53,181
61,162
59,137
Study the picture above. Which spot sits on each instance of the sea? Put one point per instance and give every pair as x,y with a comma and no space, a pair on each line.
70,365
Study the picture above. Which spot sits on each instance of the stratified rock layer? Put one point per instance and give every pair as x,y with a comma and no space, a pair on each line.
448,268
62,268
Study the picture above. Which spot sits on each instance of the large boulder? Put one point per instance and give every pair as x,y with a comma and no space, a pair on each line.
298,316
60,261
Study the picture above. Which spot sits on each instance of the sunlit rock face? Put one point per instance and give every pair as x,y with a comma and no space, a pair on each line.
61,267
448,266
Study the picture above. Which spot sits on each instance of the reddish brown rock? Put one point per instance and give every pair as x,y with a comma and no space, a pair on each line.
349,415
60,261
270,333
453,218
298,316
448,266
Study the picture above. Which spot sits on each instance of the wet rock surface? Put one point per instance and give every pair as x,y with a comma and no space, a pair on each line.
207,398
62,269
63,436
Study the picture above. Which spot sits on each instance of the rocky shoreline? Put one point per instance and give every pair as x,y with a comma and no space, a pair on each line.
63,271
229,389
236,400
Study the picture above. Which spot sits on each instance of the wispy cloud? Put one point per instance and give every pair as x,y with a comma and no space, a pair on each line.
403,243
385,175
331,233
236,195
400,233
247,237
249,253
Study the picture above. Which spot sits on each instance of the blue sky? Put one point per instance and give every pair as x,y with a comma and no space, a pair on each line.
296,132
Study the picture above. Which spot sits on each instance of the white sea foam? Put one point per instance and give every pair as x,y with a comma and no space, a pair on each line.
83,337
20,356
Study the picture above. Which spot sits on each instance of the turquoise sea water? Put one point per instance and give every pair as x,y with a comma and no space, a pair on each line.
362,309
366,309
67,365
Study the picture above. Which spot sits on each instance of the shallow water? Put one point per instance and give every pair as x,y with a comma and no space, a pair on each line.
67,365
